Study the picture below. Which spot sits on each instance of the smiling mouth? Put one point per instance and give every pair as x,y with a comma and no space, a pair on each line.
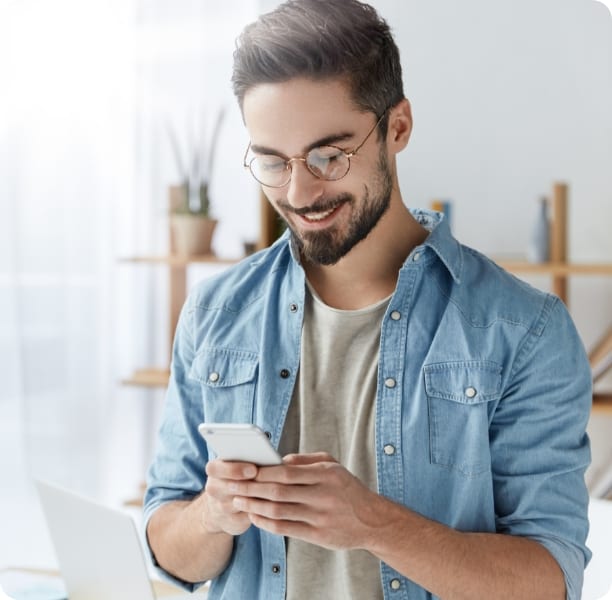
315,217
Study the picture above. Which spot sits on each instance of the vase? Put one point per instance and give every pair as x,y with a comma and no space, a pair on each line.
539,243
191,234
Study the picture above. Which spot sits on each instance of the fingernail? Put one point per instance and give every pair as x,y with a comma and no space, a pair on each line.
250,471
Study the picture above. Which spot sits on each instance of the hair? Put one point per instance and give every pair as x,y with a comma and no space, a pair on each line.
322,39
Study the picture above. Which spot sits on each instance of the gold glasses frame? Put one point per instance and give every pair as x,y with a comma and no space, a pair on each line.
304,158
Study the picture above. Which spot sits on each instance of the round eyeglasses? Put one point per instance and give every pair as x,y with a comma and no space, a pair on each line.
324,162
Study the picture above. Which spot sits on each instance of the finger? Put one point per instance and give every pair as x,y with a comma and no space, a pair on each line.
300,474
308,458
277,492
277,511
224,469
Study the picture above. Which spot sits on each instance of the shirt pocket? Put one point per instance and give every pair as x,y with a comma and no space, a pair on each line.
458,394
229,379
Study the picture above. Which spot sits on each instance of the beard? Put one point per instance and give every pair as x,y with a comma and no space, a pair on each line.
328,246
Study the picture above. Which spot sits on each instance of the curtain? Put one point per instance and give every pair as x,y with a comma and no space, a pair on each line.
88,91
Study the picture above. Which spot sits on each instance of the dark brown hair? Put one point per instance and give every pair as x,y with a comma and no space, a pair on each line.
322,39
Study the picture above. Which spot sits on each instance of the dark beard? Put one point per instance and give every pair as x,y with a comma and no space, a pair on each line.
326,247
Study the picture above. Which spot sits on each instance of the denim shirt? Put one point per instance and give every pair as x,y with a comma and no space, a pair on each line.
484,391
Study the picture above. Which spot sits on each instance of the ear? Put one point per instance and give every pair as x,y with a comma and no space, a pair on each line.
400,126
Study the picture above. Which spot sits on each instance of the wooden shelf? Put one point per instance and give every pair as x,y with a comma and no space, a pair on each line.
180,261
555,269
149,378
602,403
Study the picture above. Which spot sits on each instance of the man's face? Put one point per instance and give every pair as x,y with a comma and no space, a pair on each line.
327,218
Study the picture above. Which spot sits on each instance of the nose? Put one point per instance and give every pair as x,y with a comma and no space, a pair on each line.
303,187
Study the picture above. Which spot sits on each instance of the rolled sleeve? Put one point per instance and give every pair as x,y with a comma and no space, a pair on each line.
540,449
177,471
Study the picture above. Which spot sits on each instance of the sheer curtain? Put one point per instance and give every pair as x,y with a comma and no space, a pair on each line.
85,91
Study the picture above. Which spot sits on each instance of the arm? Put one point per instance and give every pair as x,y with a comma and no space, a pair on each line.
182,544
193,539
315,499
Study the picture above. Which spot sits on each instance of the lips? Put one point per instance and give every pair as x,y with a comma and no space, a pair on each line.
321,218
314,217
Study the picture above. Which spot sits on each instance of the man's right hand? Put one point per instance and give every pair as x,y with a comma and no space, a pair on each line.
219,514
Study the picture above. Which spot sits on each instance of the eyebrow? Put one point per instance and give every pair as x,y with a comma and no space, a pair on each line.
329,140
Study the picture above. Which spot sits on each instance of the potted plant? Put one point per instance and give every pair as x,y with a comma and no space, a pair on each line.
191,224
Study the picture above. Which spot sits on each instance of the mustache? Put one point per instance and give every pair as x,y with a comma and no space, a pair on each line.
319,206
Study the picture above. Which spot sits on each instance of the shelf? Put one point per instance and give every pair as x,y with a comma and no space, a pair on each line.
149,378
602,403
180,261
555,268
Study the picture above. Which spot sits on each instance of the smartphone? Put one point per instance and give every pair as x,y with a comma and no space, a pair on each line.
240,442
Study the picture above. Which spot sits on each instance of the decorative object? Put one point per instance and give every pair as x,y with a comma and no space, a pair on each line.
539,244
191,224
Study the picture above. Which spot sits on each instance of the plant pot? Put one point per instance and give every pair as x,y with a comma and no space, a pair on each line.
191,234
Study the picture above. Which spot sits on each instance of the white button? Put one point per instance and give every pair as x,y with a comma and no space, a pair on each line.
390,382
396,315
389,449
470,392
416,257
395,584
214,376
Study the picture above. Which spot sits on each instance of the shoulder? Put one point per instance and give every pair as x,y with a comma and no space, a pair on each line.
241,284
486,293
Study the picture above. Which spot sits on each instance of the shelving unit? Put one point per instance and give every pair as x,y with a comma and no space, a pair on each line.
560,271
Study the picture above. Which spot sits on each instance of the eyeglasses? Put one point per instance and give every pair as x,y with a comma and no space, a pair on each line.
324,162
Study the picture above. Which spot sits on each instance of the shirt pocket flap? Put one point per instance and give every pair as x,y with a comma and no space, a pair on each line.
466,382
222,367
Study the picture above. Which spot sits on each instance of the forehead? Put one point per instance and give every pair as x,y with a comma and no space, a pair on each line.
288,116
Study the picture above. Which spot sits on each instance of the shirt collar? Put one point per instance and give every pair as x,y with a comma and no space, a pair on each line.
440,240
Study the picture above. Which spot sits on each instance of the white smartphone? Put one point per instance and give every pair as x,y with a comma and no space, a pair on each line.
240,442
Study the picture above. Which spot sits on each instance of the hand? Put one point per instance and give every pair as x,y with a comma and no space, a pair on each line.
219,513
314,498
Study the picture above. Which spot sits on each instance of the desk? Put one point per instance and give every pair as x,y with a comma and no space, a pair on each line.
43,584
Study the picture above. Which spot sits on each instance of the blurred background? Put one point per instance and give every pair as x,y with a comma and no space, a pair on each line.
105,105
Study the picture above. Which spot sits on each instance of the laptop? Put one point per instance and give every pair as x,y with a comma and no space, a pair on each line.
98,548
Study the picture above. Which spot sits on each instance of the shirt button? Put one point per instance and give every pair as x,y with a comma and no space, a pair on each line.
396,584
389,449
396,315
390,382
276,569
213,377
284,373
470,392
293,307
416,257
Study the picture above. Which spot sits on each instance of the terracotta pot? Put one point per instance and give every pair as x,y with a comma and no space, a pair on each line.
191,234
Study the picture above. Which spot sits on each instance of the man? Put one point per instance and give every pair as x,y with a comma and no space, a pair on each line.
431,408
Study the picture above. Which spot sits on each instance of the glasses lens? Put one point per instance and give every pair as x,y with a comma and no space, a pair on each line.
328,162
270,170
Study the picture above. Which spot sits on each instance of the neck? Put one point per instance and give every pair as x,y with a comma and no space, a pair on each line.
369,272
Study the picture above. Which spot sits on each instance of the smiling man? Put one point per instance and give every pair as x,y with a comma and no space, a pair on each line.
430,408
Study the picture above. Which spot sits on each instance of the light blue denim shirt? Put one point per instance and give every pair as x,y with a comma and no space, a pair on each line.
484,390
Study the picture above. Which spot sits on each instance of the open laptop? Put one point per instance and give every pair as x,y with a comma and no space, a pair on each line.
98,549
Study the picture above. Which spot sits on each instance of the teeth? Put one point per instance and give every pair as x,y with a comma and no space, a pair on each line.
319,216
